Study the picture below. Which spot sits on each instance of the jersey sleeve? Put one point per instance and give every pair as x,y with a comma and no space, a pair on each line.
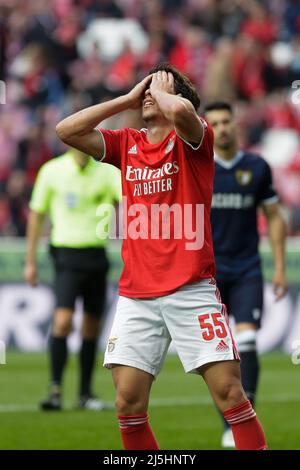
112,145
267,194
206,145
41,194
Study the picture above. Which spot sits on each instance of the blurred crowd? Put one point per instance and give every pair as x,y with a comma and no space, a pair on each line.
58,56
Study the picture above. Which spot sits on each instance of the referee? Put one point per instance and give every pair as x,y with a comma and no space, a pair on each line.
70,189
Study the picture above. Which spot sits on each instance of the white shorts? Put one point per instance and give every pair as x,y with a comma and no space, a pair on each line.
193,317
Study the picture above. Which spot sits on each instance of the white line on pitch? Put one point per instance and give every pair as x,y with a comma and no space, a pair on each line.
158,402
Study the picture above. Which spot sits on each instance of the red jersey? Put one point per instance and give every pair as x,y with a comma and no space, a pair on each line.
167,191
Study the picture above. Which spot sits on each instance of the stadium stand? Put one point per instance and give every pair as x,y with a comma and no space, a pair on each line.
59,56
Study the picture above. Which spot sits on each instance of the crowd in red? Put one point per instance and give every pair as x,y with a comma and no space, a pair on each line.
61,55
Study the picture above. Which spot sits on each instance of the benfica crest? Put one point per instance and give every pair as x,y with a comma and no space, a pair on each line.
111,344
170,145
243,177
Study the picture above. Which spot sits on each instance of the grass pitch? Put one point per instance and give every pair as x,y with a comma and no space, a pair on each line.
181,411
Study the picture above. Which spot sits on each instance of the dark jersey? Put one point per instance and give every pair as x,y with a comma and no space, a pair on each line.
240,186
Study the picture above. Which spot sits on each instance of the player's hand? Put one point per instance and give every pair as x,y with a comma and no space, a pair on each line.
136,95
162,81
280,286
30,274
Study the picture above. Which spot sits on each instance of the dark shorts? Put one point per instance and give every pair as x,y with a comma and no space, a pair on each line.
243,299
80,273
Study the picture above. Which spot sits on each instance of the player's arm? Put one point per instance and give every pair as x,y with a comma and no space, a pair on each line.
39,206
176,109
277,235
79,129
34,229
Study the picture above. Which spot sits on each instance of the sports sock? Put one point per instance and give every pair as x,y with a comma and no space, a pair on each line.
247,431
87,357
58,358
136,433
246,344
249,374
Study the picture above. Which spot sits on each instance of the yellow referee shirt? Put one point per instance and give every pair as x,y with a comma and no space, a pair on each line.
71,196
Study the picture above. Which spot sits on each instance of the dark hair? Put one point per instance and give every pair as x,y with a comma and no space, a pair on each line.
182,84
218,106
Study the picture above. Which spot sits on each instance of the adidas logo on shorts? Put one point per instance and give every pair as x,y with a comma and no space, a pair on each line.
222,346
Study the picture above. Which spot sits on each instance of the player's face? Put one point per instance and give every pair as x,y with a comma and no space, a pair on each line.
150,109
224,128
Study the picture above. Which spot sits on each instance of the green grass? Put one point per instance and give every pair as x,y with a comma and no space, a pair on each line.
182,415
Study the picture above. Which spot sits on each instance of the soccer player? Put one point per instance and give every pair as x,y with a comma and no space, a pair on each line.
70,189
243,183
167,290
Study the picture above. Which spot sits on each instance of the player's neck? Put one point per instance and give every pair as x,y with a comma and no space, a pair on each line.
156,133
226,154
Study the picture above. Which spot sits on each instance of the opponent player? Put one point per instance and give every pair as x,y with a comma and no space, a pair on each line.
167,290
243,182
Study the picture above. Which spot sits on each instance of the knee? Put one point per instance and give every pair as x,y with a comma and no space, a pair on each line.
61,329
129,403
90,327
230,395
62,323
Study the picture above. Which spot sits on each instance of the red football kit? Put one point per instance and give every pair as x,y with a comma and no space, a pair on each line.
167,191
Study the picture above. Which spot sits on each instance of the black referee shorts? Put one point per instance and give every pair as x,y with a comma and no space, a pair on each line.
80,273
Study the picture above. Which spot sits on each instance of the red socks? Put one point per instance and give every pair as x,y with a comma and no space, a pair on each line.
247,431
136,433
